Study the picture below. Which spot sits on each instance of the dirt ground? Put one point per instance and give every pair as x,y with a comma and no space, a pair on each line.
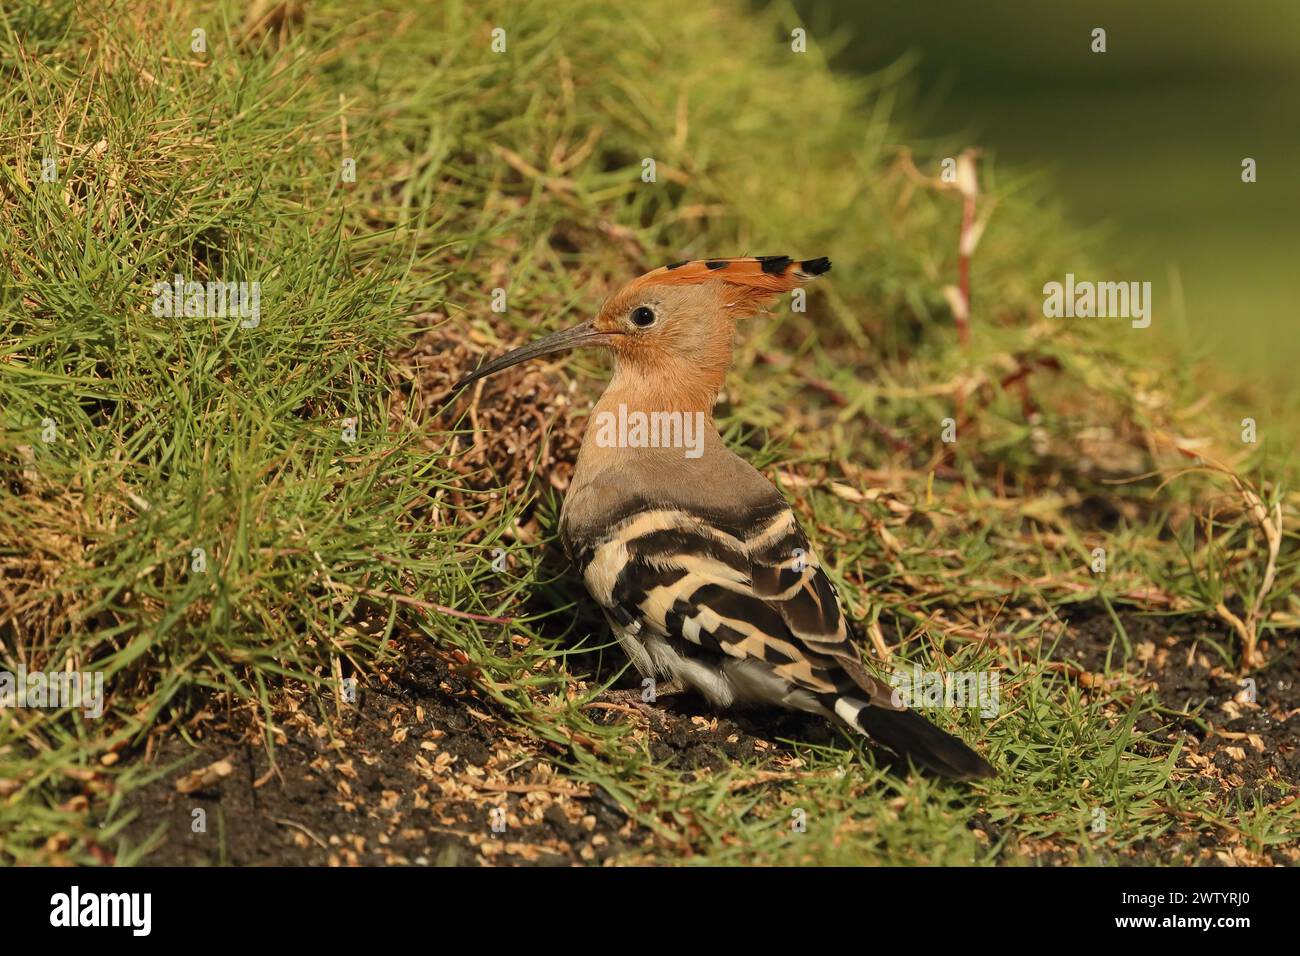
413,776
424,771
1254,743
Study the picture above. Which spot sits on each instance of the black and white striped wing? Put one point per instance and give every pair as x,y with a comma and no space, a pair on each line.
753,594
746,612
785,573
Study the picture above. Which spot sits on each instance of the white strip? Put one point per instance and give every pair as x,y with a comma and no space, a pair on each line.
780,525
847,709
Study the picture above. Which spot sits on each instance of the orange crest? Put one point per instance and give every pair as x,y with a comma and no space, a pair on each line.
753,280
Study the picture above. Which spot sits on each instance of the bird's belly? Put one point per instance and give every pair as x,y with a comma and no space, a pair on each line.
726,683
655,656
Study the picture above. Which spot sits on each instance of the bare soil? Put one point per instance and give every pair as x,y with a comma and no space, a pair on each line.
421,770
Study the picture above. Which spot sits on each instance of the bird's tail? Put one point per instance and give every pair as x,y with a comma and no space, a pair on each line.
909,734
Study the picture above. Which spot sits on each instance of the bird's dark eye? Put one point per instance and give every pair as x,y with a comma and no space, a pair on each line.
643,316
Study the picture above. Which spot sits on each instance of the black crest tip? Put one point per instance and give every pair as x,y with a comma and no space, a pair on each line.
774,265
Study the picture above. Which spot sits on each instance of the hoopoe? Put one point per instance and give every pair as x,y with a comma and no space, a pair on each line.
696,559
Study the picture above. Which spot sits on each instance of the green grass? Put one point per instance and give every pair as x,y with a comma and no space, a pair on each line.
521,170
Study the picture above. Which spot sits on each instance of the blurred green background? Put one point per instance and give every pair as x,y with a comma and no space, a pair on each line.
1144,142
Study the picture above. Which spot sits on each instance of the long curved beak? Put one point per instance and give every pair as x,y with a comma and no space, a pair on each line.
579,335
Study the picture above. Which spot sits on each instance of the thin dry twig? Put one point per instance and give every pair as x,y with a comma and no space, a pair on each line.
1269,525
426,605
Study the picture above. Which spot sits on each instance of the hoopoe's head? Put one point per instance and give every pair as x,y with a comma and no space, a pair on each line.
672,328
684,314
